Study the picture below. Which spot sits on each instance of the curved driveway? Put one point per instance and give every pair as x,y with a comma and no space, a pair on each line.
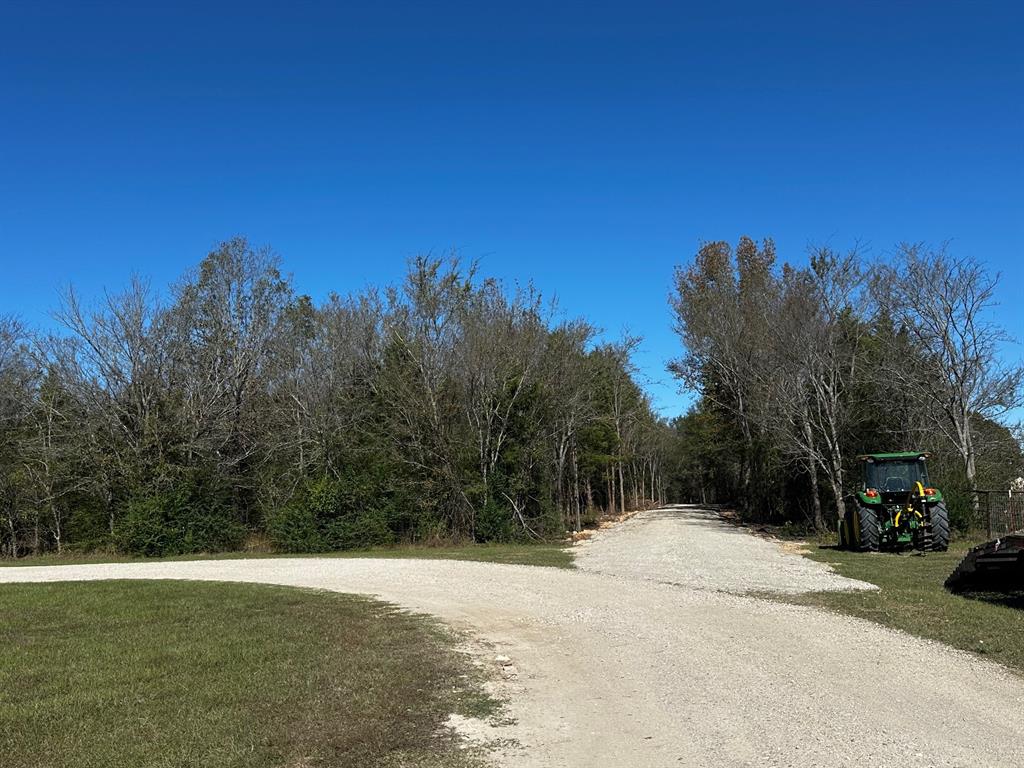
645,657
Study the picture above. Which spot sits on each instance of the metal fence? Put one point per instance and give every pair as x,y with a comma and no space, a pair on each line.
1001,512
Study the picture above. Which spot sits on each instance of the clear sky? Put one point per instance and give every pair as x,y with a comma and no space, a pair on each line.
589,147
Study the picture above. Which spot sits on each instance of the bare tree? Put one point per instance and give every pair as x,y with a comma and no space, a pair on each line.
53,445
121,357
724,310
500,351
568,386
817,347
421,345
17,383
944,304
445,406
323,363
225,324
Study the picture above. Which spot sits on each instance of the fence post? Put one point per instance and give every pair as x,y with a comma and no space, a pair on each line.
988,514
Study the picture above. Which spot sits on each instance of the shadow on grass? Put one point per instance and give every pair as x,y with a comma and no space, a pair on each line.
1013,600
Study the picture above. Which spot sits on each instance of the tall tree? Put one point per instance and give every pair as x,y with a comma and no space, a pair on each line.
818,346
723,305
944,304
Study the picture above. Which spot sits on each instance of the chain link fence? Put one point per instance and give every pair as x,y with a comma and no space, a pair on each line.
1000,512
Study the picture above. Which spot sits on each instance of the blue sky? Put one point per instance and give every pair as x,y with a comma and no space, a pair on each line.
589,147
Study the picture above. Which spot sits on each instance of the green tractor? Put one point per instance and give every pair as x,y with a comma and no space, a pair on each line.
895,508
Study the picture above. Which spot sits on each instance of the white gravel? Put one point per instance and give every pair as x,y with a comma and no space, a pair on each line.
620,672
690,547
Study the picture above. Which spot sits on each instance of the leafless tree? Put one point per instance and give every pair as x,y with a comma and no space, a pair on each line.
17,382
724,310
445,406
226,321
944,304
499,355
569,389
116,364
817,349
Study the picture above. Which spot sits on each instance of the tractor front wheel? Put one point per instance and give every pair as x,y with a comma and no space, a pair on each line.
867,529
940,526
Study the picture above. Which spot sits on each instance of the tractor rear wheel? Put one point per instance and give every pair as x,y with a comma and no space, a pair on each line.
867,529
940,526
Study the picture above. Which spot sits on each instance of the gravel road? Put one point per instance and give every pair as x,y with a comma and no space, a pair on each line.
646,657
690,547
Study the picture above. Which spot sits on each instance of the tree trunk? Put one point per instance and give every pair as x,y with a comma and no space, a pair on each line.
14,532
622,491
971,470
57,532
837,486
819,519
576,489
812,470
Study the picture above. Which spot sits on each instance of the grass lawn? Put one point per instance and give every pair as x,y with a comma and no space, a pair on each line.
552,554
913,599
167,674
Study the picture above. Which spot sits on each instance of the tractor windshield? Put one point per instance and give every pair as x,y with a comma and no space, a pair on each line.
895,476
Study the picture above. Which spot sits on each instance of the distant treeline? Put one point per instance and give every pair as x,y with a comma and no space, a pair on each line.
802,367
231,411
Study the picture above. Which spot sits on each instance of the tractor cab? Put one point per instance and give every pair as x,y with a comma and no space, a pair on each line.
895,507
894,477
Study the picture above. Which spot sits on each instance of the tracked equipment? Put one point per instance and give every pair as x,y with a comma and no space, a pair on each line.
895,507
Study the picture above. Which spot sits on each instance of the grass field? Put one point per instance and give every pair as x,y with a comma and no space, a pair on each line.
160,674
551,554
912,599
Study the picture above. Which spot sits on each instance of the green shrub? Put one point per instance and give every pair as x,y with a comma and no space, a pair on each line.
348,513
294,528
494,522
368,528
178,517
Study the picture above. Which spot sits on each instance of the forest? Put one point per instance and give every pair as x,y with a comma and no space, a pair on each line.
800,368
230,412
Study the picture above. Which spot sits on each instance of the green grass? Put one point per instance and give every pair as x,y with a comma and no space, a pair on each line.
167,674
912,599
550,554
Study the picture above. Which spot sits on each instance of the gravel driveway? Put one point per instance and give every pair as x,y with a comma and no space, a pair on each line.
691,547
619,667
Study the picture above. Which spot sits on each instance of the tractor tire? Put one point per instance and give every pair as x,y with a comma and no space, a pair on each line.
940,527
867,529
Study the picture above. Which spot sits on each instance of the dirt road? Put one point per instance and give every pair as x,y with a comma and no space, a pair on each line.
645,656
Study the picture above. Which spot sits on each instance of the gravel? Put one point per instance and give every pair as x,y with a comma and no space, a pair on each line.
691,547
622,668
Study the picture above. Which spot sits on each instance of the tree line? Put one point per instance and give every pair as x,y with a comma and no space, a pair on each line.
231,411
802,367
